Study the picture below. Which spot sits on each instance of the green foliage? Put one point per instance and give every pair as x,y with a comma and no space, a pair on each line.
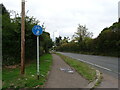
108,39
11,38
72,46
107,43
58,41
82,33
46,42
65,40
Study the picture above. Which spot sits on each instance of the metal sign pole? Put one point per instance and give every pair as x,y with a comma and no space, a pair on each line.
38,58
37,30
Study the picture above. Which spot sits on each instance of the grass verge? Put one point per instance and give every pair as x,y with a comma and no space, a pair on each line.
83,69
13,79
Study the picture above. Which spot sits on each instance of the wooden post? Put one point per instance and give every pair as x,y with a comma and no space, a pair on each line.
23,39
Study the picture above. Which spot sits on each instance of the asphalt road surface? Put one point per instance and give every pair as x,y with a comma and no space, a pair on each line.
107,65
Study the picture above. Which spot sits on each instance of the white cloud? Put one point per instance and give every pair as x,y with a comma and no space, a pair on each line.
119,9
65,15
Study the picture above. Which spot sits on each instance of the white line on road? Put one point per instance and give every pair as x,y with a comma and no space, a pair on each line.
93,64
103,67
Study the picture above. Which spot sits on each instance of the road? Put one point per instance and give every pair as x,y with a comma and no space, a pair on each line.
107,65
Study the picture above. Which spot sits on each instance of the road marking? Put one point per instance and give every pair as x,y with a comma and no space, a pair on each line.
92,64
103,67
96,65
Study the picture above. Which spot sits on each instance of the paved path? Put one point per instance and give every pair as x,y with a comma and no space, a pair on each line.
108,82
61,79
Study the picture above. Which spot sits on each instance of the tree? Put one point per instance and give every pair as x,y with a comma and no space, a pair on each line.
46,42
7,36
108,38
11,38
82,33
58,41
65,40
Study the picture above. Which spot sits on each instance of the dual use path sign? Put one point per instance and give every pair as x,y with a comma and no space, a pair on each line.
37,30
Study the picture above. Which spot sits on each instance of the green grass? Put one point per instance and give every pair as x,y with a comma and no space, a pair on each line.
83,69
13,79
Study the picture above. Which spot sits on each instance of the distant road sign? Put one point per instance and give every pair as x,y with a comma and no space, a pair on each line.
37,30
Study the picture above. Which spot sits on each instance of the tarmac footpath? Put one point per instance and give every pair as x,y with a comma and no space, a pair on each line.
58,78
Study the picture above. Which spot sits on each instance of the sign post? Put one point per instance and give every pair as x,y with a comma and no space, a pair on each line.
38,57
37,30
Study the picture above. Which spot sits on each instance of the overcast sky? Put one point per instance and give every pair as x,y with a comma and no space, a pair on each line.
63,16
119,9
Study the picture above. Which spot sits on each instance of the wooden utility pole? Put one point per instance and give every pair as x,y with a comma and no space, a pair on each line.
23,38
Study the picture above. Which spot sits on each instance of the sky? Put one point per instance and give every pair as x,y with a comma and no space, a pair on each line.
119,9
62,17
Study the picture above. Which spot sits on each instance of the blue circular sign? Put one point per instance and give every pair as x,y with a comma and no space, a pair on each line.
37,30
